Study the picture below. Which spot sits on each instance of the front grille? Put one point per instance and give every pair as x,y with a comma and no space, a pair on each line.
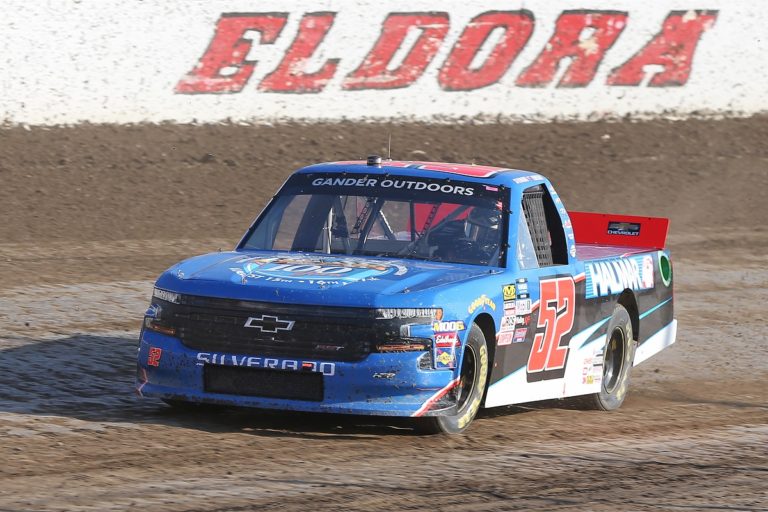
285,330
238,380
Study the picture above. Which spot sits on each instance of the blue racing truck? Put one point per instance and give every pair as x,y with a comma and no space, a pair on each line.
417,289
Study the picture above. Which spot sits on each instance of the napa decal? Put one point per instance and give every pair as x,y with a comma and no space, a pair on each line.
611,277
312,270
445,349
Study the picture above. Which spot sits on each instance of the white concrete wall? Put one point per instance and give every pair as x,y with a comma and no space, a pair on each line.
122,61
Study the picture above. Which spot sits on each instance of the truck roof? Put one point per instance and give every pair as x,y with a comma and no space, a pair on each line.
497,175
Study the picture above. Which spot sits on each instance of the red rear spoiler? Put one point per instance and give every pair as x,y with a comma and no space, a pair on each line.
619,230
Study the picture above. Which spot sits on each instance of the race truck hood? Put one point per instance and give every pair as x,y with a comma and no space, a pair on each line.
307,278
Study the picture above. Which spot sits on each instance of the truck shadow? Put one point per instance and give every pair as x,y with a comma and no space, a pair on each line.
91,378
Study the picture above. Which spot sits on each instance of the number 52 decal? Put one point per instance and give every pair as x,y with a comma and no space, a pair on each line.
556,313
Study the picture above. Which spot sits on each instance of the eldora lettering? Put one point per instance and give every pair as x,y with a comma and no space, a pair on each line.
394,183
672,48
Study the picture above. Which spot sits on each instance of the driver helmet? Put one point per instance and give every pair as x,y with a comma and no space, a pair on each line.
483,224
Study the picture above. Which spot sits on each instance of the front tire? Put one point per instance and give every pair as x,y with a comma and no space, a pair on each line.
618,357
473,377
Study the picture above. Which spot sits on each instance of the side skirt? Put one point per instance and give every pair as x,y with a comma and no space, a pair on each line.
656,343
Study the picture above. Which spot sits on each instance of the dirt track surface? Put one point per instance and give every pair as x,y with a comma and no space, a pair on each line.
91,215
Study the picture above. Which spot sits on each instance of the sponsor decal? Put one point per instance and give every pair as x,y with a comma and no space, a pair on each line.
592,369
445,358
610,277
519,336
504,338
153,358
446,339
324,367
445,349
524,320
572,251
481,302
522,288
556,316
623,228
268,323
509,308
407,184
525,179
451,325
312,270
477,55
523,306
507,323
509,292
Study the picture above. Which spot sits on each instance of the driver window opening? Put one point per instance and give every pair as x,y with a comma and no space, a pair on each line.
545,229
526,254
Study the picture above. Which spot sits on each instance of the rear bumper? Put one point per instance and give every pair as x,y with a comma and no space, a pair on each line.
389,384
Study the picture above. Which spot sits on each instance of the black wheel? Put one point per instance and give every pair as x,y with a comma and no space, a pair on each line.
618,355
469,392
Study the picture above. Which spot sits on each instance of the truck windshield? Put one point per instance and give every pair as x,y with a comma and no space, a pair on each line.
385,216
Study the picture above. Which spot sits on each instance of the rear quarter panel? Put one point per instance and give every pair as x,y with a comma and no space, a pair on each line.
595,286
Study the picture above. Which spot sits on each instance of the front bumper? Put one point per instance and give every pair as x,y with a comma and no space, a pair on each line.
385,384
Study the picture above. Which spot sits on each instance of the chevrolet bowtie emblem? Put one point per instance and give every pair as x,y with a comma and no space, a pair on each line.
267,323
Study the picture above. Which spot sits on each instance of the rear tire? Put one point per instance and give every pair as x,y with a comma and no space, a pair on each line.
618,357
470,390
